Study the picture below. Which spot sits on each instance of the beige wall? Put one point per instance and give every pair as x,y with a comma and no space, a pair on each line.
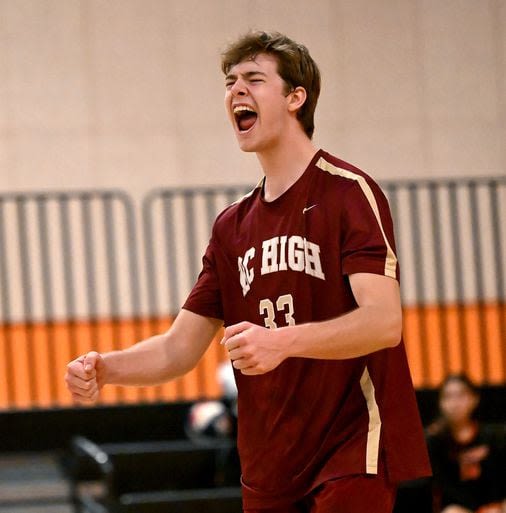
128,93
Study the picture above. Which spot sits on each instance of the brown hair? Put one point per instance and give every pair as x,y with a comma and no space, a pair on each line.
295,66
459,378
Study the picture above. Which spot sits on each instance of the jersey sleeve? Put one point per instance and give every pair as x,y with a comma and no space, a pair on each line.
367,237
205,297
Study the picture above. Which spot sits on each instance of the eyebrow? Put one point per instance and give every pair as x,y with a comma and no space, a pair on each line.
247,74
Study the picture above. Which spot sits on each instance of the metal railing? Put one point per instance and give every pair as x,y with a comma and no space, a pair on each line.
60,263
177,225
452,249
77,273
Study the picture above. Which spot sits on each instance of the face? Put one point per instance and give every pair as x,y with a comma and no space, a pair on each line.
457,402
257,103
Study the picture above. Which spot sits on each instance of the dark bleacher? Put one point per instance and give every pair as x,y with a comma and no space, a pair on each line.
53,429
154,476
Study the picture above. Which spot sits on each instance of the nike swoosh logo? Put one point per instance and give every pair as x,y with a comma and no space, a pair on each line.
305,209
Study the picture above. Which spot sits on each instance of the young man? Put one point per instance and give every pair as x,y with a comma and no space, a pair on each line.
303,274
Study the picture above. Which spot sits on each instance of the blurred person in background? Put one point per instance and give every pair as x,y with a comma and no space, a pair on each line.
467,456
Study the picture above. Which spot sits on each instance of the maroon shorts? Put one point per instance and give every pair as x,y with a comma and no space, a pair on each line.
351,494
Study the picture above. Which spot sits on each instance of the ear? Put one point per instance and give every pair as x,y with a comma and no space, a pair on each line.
296,99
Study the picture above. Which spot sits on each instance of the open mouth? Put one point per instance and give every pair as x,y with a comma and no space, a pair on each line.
245,117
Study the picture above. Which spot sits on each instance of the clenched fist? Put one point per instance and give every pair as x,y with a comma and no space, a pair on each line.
85,377
254,349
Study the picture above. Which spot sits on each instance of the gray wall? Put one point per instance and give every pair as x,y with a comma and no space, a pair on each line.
128,93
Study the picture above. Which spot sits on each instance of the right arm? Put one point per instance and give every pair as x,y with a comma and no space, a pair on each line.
153,361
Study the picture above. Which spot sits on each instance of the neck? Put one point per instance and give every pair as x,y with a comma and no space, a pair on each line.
283,164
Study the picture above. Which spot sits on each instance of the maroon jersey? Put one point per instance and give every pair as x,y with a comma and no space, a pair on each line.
287,262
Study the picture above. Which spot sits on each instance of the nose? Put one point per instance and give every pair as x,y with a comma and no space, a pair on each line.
239,88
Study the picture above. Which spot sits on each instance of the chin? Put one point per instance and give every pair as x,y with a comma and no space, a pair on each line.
247,146
247,149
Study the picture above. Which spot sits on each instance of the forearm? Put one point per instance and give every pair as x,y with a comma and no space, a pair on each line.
162,357
362,331
149,362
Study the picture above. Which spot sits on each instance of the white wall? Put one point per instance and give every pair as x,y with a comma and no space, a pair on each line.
128,93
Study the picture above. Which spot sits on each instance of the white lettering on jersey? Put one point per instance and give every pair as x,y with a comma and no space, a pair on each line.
246,275
280,254
296,253
313,262
269,256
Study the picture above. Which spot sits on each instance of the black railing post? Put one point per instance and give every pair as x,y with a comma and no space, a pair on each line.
440,275
26,281
47,291
6,311
499,246
419,281
458,273
476,244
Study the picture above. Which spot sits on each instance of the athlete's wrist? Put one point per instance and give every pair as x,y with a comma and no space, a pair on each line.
109,363
288,337
300,340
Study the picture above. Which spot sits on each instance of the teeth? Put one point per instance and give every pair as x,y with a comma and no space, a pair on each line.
242,108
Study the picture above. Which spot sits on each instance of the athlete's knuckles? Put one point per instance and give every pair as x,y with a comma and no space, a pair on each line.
240,338
73,364
73,383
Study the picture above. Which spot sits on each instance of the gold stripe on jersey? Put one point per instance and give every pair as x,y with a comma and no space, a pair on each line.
391,259
373,434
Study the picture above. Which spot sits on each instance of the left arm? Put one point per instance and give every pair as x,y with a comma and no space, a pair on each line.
375,324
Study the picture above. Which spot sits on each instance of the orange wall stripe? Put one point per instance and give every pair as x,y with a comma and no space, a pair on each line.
43,350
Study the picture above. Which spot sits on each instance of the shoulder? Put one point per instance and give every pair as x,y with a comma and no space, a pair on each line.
338,177
339,174
340,169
